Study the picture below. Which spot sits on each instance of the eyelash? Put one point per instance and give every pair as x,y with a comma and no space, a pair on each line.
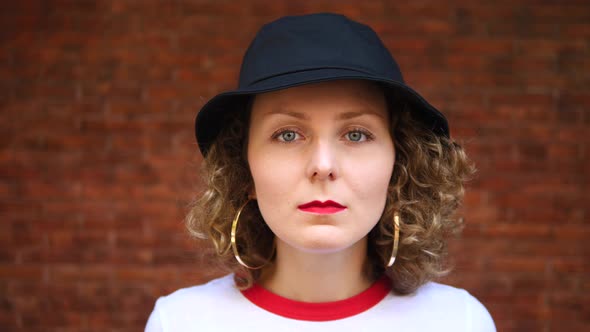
277,134
368,136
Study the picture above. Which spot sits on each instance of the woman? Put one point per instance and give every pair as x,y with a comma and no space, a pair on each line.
330,190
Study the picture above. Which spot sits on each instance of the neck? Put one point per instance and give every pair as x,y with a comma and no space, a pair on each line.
317,277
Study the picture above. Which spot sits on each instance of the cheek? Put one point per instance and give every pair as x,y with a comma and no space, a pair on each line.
274,188
273,178
371,178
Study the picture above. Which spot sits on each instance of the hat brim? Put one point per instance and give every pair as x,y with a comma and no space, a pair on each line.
211,118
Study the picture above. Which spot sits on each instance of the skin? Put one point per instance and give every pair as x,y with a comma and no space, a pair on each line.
322,141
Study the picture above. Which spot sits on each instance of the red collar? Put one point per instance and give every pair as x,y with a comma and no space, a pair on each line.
323,311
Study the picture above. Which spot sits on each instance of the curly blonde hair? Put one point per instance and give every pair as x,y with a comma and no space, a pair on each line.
426,187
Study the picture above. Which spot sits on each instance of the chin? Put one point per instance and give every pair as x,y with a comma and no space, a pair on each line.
323,243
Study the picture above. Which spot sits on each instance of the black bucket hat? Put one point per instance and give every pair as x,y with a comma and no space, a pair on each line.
297,50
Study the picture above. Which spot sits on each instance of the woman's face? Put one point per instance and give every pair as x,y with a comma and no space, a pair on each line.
317,143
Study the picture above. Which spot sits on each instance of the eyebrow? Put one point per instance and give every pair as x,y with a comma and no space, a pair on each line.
342,116
282,110
356,114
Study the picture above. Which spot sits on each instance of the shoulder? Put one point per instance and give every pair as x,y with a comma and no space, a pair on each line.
437,296
185,306
217,288
441,292
458,301
450,305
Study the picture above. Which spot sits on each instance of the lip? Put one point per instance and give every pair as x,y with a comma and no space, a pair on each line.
318,207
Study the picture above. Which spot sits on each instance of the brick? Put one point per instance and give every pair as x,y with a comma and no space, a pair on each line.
571,265
138,274
120,320
518,231
70,272
549,48
107,89
553,12
575,30
518,264
36,320
572,232
469,46
21,272
524,28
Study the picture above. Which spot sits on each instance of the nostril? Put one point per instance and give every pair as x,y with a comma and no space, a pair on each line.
322,175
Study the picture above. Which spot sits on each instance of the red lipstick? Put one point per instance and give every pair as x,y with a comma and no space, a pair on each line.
327,207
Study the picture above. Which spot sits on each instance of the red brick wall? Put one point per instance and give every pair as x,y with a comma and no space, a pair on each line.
98,162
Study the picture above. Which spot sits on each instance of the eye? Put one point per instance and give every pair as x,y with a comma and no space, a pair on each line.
357,136
286,136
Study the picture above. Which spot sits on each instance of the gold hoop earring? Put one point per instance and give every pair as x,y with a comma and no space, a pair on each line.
395,238
234,228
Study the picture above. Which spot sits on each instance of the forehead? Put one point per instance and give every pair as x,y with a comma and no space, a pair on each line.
342,95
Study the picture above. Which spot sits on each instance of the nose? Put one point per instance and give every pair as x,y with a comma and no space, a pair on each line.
323,162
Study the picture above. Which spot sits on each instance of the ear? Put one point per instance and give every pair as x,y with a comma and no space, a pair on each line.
252,193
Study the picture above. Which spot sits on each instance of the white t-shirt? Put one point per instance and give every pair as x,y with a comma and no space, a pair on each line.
220,306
